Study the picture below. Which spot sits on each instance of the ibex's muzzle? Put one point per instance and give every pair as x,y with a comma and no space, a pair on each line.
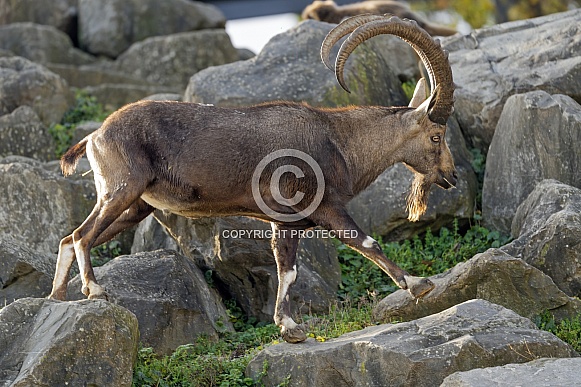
447,180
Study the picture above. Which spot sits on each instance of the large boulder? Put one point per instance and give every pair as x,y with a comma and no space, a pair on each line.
113,96
23,271
51,343
171,60
95,75
494,276
22,133
423,352
491,64
547,232
537,137
109,27
539,372
381,208
41,44
41,207
238,254
61,14
23,82
167,293
289,68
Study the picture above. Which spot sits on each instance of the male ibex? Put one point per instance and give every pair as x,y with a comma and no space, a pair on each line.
328,11
200,160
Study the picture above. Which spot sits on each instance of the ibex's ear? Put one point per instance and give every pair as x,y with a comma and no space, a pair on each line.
420,93
422,111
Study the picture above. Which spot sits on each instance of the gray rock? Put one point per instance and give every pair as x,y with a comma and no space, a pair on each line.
167,293
61,14
41,44
381,208
115,95
547,232
494,276
243,266
23,82
540,372
150,236
537,137
423,352
51,343
84,129
23,272
22,133
109,27
94,75
40,207
491,64
171,60
289,68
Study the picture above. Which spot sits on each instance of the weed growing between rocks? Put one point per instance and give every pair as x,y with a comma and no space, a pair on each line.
568,330
86,109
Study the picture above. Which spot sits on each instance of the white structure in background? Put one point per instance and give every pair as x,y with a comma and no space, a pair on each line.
253,33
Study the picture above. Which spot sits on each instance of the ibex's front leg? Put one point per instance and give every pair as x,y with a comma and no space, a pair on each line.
350,234
284,246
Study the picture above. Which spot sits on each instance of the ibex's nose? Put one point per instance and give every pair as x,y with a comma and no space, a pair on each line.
448,179
453,179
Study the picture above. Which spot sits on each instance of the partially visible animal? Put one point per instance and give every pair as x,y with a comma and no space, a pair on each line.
328,11
201,161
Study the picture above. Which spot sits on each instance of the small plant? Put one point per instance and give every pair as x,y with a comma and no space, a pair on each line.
568,330
86,109
102,254
409,88
206,362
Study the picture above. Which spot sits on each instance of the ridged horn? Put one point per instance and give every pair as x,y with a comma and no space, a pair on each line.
434,58
344,28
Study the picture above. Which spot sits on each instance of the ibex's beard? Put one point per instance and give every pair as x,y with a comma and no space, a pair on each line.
417,200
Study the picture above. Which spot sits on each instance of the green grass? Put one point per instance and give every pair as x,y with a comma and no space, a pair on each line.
222,362
568,330
86,109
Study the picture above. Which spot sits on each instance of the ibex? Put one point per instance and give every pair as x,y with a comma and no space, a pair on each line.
328,11
200,161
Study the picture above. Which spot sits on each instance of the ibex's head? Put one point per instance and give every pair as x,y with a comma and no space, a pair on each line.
426,153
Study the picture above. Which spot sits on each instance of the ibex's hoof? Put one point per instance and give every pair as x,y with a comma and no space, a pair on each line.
293,335
99,296
418,286
58,295
94,292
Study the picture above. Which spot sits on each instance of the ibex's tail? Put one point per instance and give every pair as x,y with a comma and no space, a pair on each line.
71,158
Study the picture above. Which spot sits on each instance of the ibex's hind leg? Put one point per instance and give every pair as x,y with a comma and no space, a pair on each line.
284,246
66,256
107,210
350,234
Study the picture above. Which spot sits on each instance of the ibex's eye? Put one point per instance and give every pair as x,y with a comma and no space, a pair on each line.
435,138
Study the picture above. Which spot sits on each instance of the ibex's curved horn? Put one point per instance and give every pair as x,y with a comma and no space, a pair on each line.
344,28
434,58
